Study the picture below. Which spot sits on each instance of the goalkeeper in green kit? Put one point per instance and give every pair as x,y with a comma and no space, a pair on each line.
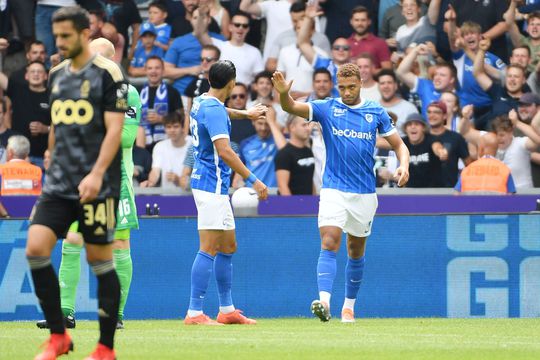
70,267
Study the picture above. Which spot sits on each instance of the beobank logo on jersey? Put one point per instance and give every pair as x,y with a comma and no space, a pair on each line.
348,133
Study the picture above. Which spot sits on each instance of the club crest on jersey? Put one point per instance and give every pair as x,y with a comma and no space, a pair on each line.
339,111
85,89
369,118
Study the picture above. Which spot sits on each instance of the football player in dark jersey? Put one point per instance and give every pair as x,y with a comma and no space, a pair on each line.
88,102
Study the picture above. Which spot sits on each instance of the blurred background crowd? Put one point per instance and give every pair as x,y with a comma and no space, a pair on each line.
460,78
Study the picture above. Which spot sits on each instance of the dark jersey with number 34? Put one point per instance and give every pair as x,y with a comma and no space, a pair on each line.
78,103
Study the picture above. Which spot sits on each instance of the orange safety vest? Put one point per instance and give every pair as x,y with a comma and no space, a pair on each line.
20,177
486,174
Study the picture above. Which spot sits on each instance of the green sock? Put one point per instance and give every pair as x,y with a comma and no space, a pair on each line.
124,270
68,276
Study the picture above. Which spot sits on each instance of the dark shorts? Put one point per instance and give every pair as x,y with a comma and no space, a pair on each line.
96,219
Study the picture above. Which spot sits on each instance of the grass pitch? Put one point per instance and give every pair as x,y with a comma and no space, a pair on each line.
298,339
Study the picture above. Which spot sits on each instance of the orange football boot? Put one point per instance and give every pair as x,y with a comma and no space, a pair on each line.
58,344
235,317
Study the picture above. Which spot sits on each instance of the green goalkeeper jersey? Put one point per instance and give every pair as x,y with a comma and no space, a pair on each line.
127,211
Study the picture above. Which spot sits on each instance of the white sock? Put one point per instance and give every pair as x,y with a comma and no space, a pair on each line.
226,309
349,304
194,313
324,296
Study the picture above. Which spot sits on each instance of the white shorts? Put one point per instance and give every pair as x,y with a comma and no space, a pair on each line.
353,213
214,211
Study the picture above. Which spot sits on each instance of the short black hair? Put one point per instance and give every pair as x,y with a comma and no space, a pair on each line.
35,42
386,72
221,73
98,13
298,6
158,4
242,13
241,84
322,70
77,15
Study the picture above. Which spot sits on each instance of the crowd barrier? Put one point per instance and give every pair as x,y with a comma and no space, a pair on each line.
416,266
391,201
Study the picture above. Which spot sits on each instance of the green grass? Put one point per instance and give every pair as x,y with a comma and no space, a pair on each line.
298,339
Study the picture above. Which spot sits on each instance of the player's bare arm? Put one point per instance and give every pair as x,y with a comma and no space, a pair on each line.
288,104
228,155
91,184
401,175
253,113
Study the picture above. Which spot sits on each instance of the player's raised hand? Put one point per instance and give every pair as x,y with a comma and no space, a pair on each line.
280,84
257,112
89,187
261,189
401,176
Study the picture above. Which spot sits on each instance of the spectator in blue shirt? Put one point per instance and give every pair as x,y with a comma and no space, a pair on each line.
144,50
259,151
444,78
157,13
183,59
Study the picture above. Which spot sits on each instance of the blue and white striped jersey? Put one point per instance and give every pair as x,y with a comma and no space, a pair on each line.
209,122
349,134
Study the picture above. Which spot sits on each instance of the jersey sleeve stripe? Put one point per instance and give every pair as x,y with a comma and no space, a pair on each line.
59,66
219,136
111,67
389,133
310,116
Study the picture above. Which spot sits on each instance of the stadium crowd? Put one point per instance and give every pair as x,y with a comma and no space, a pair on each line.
460,79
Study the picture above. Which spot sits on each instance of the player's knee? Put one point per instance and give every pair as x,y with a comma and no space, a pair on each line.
32,251
330,243
74,238
228,248
210,249
120,245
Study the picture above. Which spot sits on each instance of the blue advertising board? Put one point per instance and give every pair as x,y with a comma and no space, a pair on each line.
416,266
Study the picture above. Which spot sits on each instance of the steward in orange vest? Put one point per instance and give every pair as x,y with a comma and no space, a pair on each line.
486,175
18,176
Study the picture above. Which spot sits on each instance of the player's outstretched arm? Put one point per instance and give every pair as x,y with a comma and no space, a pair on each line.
401,176
228,155
288,104
253,113
91,184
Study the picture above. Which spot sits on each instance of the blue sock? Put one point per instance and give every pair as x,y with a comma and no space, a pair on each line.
223,271
326,270
200,276
354,272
